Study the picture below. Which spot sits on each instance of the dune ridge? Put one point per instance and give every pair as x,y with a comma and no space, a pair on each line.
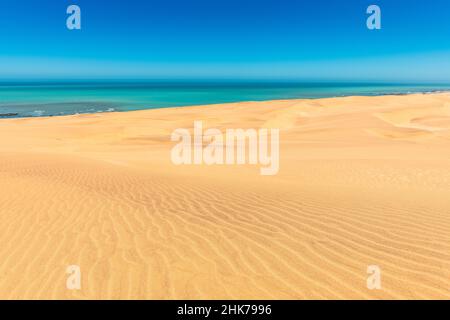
362,181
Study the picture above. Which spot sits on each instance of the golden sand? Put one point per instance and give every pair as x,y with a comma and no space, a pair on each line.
362,181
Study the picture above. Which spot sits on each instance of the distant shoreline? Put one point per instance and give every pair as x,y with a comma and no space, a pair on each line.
17,115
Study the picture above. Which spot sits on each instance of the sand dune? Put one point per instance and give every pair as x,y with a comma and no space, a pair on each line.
362,181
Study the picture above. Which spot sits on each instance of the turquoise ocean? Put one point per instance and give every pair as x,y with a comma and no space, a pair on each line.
34,99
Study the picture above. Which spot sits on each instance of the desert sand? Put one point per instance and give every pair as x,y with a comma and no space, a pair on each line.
362,181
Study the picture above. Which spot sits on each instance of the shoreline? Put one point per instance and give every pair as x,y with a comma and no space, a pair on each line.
16,115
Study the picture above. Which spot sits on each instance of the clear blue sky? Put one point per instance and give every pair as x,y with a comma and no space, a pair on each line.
236,39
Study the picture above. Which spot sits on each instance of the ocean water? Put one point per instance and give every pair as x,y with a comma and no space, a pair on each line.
53,99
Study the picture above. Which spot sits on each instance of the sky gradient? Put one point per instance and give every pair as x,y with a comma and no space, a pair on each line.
226,39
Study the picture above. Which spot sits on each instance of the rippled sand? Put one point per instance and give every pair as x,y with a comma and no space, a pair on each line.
362,181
